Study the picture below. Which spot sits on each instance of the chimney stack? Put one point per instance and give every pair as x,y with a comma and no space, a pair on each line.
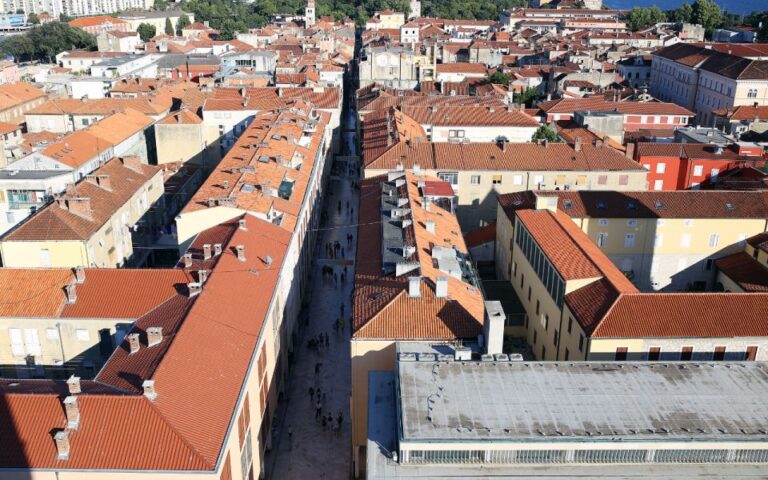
62,444
441,287
430,226
241,252
79,274
149,389
577,144
241,225
133,342
187,260
71,293
194,288
206,251
132,162
73,383
80,206
493,328
202,276
154,336
414,287
72,412
217,249
104,182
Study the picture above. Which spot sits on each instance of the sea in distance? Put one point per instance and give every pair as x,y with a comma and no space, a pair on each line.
740,7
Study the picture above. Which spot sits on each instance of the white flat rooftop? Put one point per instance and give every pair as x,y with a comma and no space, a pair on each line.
590,402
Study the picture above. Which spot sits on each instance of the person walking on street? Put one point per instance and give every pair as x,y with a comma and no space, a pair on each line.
318,409
330,420
326,339
311,394
290,438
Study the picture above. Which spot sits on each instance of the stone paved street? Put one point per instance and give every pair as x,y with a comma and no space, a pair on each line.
312,453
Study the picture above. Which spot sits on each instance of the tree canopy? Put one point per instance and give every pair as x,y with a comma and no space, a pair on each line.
500,78
182,23
545,132
44,42
639,18
146,31
169,27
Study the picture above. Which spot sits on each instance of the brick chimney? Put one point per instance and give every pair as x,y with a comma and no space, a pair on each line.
241,252
154,336
149,389
80,206
71,190
187,260
134,343
71,290
217,249
202,276
73,383
430,226
72,411
577,144
206,251
79,275
133,162
62,444
241,225
104,182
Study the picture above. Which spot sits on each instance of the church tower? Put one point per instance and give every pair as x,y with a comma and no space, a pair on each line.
415,9
309,13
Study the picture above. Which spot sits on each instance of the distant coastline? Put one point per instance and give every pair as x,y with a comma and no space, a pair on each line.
741,7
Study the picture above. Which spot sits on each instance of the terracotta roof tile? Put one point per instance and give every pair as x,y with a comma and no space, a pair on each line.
748,273
381,305
687,315
56,222
670,204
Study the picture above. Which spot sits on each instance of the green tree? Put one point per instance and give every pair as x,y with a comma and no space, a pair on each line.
44,42
33,19
758,20
682,14
169,27
182,23
640,17
527,96
707,14
500,78
160,5
146,31
19,11
544,132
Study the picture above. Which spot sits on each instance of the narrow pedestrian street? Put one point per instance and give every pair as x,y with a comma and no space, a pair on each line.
313,450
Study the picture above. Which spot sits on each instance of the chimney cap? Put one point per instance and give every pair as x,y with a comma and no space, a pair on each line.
148,386
73,383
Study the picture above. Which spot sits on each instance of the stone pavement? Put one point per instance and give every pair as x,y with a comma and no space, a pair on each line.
312,453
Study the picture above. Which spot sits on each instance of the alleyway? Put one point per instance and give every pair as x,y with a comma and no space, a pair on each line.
312,452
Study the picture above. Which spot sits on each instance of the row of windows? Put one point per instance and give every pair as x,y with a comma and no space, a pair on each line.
541,265
598,456
686,354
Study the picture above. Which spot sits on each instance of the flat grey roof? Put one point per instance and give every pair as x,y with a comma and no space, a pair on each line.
583,401
31,174
115,61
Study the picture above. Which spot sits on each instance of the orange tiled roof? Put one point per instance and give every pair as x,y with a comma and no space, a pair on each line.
102,106
267,154
14,94
381,306
56,222
748,273
184,428
105,293
94,21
